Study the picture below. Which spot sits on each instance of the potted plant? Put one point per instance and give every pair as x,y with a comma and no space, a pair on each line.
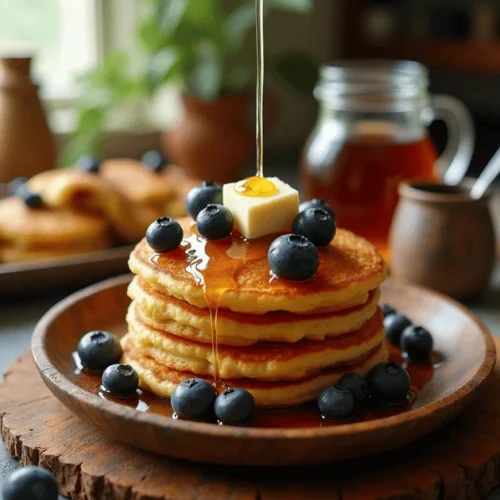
204,48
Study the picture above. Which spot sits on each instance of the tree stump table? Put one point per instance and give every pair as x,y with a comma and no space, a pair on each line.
460,461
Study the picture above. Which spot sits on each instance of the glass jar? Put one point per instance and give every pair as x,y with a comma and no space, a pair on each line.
371,134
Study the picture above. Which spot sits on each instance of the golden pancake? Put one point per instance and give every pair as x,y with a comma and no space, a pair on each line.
25,227
167,313
264,361
235,274
73,188
162,380
137,182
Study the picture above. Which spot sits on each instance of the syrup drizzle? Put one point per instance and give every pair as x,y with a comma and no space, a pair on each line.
258,186
212,264
259,7
203,266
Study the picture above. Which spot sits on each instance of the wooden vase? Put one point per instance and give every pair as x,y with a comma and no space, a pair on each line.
26,144
214,139
443,239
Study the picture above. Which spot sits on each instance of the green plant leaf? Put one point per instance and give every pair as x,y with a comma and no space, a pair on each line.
149,35
87,138
240,21
170,14
299,70
205,78
163,66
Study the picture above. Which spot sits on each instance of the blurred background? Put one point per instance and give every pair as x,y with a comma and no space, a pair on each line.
115,69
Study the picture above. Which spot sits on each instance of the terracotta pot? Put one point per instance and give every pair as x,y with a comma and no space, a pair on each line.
213,139
26,144
443,239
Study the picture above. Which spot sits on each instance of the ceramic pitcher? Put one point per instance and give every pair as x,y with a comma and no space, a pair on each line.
443,239
26,144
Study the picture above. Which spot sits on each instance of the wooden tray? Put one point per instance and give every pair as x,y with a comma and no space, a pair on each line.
69,272
462,340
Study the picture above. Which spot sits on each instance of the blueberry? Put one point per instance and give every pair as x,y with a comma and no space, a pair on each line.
215,222
394,325
355,383
164,234
388,383
234,406
30,483
388,310
193,398
121,381
208,193
416,343
336,403
31,200
17,184
293,257
89,163
316,224
153,160
98,350
317,203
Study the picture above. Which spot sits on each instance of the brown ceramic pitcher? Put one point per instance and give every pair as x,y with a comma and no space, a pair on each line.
443,239
26,144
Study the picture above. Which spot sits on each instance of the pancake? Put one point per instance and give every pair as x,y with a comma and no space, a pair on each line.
167,313
237,274
73,188
25,227
265,361
162,380
137,182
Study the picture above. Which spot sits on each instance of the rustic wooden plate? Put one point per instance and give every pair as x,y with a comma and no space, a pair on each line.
463,342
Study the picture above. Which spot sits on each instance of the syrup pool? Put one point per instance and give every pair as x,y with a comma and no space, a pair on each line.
304,416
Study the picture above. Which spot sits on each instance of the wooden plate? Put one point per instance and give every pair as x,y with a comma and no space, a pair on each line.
68,272
460,338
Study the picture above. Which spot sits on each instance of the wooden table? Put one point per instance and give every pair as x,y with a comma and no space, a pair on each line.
17,320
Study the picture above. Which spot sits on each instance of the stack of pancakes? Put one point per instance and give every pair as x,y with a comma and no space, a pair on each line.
283,341
83,211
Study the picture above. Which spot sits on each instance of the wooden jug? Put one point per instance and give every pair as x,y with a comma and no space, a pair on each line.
26,144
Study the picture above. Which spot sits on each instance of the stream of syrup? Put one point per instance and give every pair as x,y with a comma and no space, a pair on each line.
259,11
204,266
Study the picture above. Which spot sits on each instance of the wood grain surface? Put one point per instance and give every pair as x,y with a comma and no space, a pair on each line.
461,461
459,338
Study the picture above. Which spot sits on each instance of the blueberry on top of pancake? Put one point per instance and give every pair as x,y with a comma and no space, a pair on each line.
16,184
153,160
31,200
89,164
201,196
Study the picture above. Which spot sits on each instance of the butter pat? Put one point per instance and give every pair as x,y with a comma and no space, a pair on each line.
257,216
